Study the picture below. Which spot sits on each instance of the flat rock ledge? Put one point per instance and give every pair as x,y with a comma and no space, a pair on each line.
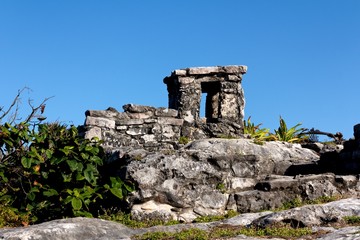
316,216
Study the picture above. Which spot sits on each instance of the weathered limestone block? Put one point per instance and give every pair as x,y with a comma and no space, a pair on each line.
130,122
133,131
170,121
186,80
100,122
166,112
93,132
133,108
143,115
203,70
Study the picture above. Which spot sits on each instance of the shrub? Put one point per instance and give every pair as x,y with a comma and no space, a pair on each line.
48,172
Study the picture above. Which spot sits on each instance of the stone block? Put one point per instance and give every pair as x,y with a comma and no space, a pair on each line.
99,113
238,184
170,121
149,138
186,80
130,122
133,108
166,112
150,120
203,70
179,72
121,128
99,122
136,131
93,132
235,69
234,78
144,115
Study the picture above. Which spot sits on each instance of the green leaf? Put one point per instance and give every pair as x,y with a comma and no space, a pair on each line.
26,162
31,196
10,143
3,177
79,177
66,177
48,153
117,192
50,192
84,156
96,160
67,150
76,203
73,165
89,173
88,148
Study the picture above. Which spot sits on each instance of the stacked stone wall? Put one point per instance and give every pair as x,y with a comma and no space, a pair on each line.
161,128
137,127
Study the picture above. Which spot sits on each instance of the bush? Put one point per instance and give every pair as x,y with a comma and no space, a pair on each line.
47,171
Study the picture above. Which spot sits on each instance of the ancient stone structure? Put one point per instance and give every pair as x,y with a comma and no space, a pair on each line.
225,97
161,128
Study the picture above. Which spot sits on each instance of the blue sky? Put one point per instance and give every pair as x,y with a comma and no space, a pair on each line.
303,57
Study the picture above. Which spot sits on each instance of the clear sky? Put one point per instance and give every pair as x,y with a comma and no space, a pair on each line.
303,57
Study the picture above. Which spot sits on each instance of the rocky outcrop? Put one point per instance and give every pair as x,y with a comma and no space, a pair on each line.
211,176
321,218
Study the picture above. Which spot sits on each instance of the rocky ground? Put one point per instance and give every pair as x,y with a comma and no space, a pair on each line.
326,221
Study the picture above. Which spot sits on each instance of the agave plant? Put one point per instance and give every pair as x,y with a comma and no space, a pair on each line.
292,135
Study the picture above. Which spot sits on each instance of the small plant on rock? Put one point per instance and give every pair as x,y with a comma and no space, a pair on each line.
184,140
292,135
257,133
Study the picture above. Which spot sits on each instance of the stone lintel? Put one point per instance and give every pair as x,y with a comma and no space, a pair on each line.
231,70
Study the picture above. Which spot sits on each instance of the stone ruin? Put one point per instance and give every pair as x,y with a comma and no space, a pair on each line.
161,128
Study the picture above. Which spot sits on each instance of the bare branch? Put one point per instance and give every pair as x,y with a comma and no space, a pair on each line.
34,110
15,102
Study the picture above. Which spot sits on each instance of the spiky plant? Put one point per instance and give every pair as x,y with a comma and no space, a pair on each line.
292,135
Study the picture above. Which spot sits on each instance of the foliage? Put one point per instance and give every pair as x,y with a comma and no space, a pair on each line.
298,202
184,140
48,171
259,134
212,218
11,217
353,220
292,135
